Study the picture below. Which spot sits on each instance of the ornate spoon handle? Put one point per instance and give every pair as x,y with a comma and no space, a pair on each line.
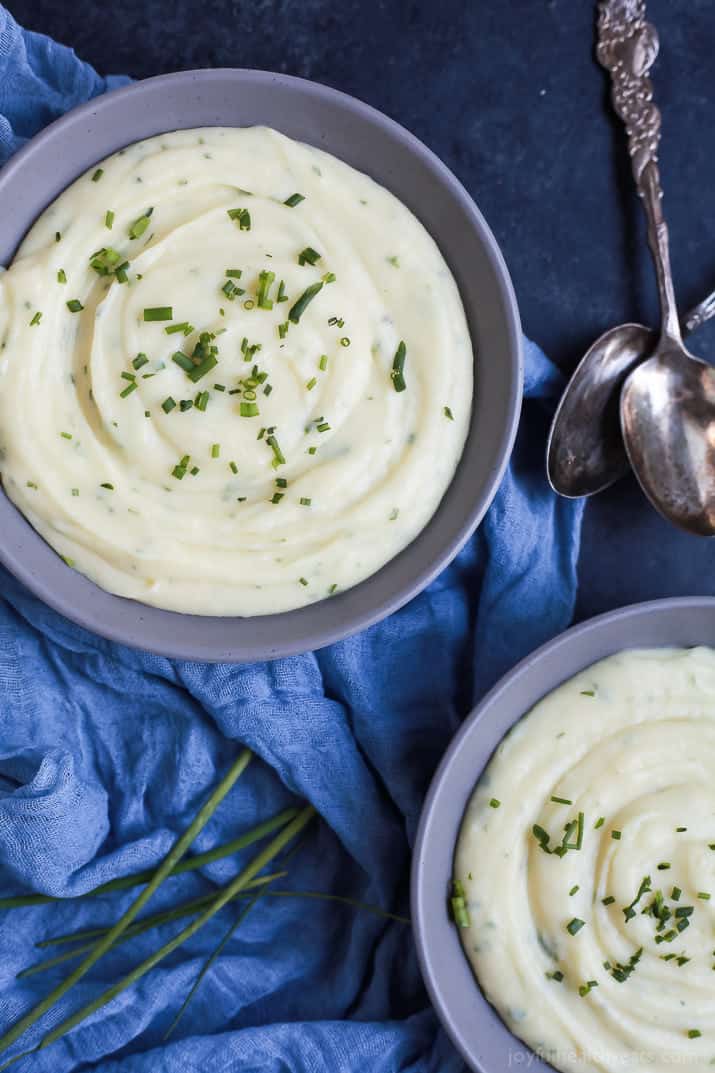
627,47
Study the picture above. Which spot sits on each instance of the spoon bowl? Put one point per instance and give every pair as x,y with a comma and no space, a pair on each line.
585,452
668,423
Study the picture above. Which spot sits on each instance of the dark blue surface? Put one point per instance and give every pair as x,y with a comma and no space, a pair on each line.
509,95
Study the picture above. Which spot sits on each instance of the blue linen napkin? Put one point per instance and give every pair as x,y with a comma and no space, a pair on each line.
106,753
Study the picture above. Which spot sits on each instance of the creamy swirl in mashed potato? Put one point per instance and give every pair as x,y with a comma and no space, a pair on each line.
587,860
235,375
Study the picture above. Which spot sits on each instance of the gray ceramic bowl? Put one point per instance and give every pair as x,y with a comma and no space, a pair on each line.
474,1026
369,141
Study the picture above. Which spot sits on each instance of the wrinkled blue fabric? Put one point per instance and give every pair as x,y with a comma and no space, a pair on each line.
106,753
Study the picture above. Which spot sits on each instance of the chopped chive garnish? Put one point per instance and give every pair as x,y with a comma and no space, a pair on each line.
277,496
298,308
694,1033
704,895
66,435
599,822
98,175
233,273
345,341
663,866
329,277
108,486
557,976
448,413
398,366
303,581
621,972
58,236
312,450
308,256
219,387
323,363
278,457
185,405
36,318
233,467
249,303
265,282
281,482
183,361
281,296
242,217
541,836
61,275
323,427
494,803
108,219
283,329
293,200
267,389
128,376
679,830
137,229
215,450
128,389
195,470
574,925
675,894
75,492
684,911
562,801
458,905
74,305
334,588
616,835
588,693
311,383
159,313
335,322
584,989
201,401
182,326
609,900
140,361
106,261
31,484
644,888
231,290
305,501
168,405
249,409
574,889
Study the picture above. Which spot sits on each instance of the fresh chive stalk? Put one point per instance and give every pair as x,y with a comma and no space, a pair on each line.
224,896
172,859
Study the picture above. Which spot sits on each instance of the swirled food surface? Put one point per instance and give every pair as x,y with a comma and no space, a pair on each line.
235,375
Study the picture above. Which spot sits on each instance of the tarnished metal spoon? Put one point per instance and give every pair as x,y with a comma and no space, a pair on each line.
585,451
668,402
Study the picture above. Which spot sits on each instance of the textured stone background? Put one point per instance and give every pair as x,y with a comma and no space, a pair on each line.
508,94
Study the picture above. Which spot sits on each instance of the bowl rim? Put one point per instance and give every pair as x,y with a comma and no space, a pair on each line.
430,940
350,622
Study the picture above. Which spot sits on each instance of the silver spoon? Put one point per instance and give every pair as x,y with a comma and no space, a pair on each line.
585,451
668,402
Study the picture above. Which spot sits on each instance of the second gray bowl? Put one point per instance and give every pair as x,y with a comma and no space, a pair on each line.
369,141
472,1023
